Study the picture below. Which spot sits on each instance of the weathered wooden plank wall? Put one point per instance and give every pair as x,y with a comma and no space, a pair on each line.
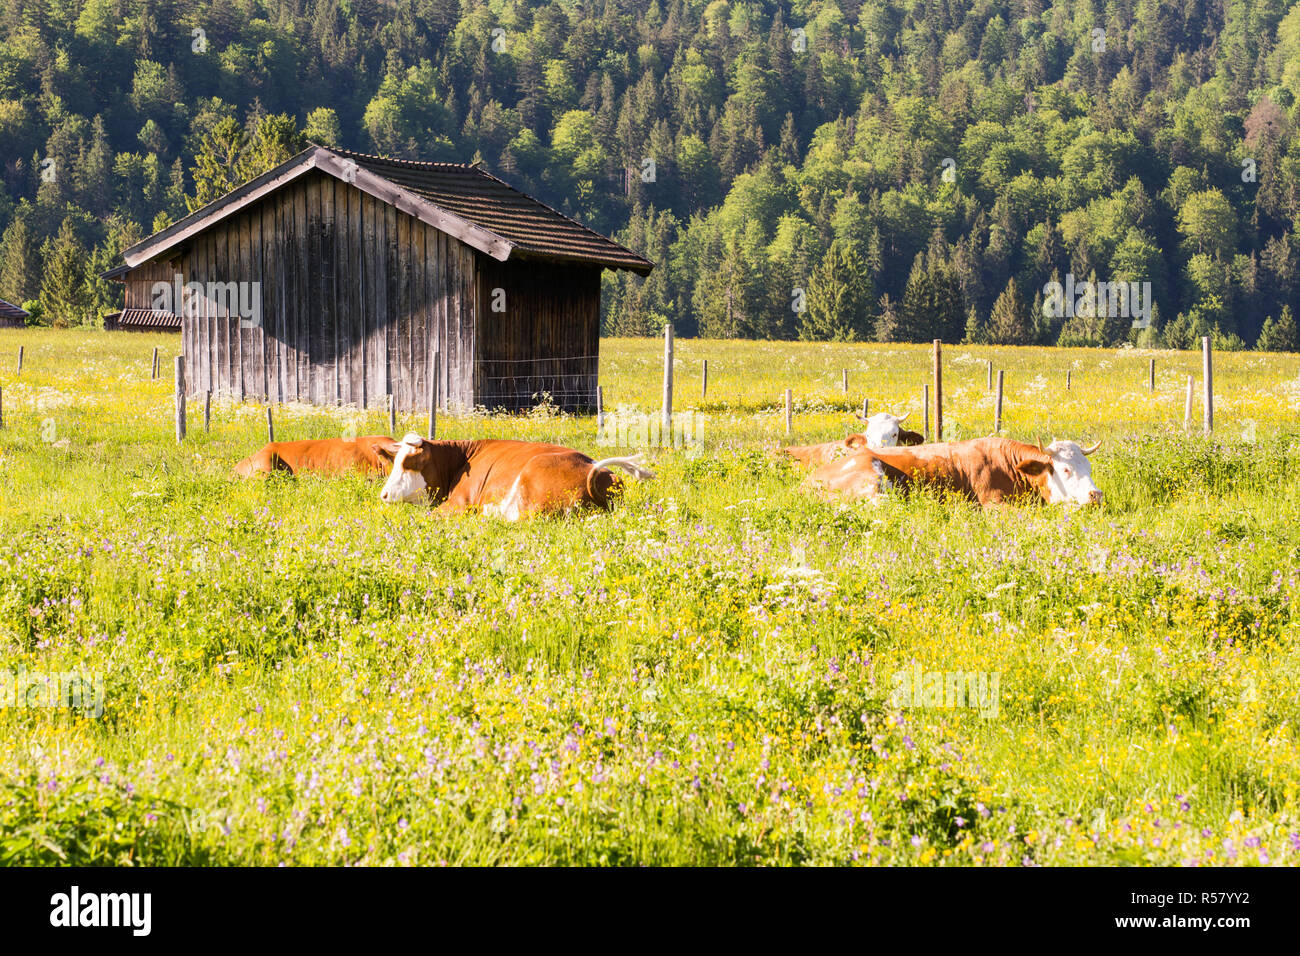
546,340
355,299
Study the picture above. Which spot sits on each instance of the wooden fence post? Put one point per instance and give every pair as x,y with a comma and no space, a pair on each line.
392,415
20,362
1151,375
668,378
433,396
207,409
844,381
864,408
180,399
989,386
1207,383
1067,379
789,413
997,406
600,409
270,426
704,380
153,369
925,411
938,390
1187,406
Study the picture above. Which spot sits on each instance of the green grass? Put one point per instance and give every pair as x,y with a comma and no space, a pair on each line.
295,672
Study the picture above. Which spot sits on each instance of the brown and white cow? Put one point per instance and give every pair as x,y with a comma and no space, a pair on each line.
509,479
986,470
882,431
368,455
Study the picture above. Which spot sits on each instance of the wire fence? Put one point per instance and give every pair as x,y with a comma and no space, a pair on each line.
516,384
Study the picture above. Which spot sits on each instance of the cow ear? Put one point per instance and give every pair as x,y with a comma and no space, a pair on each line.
386,450
1033,467
856,441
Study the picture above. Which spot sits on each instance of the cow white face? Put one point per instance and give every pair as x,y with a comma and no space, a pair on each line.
882,430
405,483
1070,480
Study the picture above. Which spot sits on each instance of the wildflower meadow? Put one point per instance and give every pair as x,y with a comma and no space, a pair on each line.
725,669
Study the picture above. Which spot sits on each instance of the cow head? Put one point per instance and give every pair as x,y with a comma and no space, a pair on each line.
1061,473
414,475
882,430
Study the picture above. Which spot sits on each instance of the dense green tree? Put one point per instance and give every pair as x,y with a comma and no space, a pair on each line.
977,332
217,165
66,296
933,306
1279,335
20,261
1209,223
839,299
323,127
1011,323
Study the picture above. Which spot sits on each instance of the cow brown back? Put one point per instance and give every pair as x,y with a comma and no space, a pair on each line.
507,478
987,470
325,456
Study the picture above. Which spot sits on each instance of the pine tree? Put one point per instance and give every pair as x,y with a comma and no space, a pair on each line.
933,306
20,261
914,318
887,323
839,298
1279,335
976,332
65,290
216,165
1010,323
273,140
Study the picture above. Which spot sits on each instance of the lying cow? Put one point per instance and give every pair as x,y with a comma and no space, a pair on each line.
882,431
510,479
986,470
368,455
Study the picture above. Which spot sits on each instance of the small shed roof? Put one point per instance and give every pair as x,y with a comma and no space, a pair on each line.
144,320
464,201
11,314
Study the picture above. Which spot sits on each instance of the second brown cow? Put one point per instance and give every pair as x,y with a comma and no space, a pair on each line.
368,455
509,479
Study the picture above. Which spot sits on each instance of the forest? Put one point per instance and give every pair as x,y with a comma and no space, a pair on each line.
817,170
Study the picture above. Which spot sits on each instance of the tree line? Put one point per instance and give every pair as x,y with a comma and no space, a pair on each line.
824,169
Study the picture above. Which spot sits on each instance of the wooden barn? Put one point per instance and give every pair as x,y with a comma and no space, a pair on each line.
335,278
11,315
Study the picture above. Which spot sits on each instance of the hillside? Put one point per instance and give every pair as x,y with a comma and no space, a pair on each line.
901,170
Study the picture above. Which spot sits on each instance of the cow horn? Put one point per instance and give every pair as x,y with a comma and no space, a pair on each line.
1089,451
904,418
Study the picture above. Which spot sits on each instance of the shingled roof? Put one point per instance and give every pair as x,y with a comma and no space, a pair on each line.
464,201
143,320
10,314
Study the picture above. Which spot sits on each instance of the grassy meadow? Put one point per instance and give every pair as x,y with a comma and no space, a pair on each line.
295,673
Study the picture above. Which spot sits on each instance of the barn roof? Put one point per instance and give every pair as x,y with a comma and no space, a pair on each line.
150,320
11,313
464,201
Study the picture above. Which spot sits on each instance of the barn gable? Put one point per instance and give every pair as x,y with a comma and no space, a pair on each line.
336,277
